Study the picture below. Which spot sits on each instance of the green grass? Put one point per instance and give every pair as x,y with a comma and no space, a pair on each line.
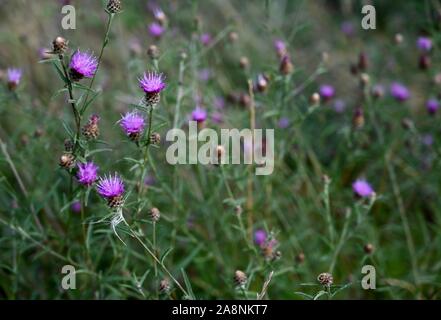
200,240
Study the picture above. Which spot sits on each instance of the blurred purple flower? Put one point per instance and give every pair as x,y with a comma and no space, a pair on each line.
362,188
14,76
339,106
149,180
206,39
259,237
87,173
347,28
280,47
156,30
432,105
427,140
199,114
327,91
75,207
205,74
219,103
399,91
424,44
283,123
217,117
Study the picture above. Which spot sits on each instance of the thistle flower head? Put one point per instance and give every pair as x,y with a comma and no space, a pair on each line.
156,30
76,206
424,44
110,186
205,39
327,91
283,123
399,91
259,237
362,188
14,76
432,105
199,114
339,105
280,47
132,123
152,82
87,173
83,64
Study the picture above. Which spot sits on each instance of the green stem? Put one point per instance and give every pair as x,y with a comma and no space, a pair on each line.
159,263
105,42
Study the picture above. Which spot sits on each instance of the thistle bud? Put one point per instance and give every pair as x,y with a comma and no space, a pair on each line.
233,36
286,66
238,210
300,258
368,248
244,62
362,61
153,52
398,38
164,286
314,99
240,278
59,45
424,62
155,214
325,279
114,6
68,145
262,83
358,118
219,153
155,138
91,129
67,161
245,100
364,80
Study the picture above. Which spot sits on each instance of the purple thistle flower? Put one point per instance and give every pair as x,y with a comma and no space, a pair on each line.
206,39
87,173
199,114
424,44
76,206
132,123
347,28
205,74
362,188
150,180
110,187
280,47
399,92
432,105
14,76
260,237
339,106
327,91
156,30
82,65
427,140
152,82
217,117
283,123
219,103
